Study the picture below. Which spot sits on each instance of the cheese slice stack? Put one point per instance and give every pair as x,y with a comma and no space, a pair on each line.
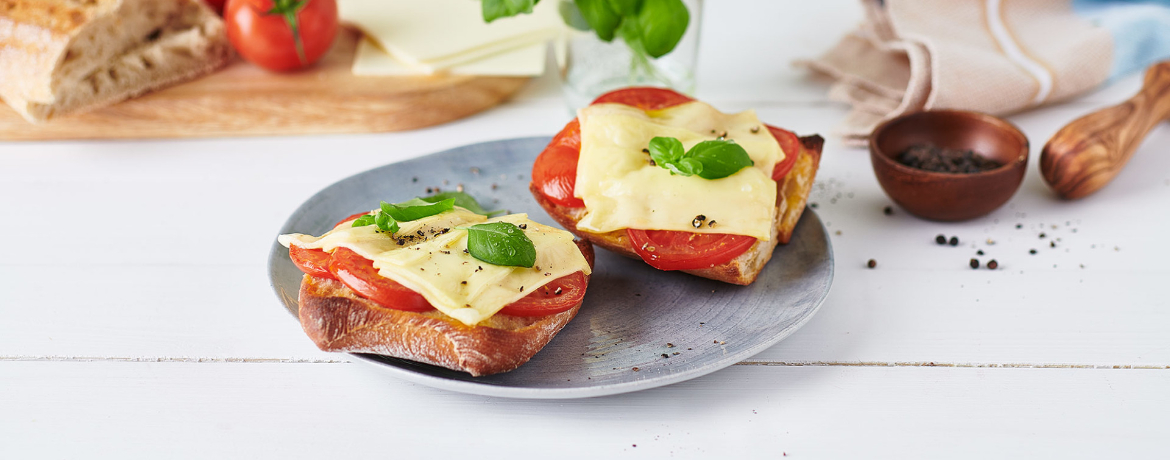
431,261
427,37
621,189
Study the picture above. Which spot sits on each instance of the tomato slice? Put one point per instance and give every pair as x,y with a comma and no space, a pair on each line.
561,294
644,98
790,144
673,250
311,261
359,274
350,218
555,170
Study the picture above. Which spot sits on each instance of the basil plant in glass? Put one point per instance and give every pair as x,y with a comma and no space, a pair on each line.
618,43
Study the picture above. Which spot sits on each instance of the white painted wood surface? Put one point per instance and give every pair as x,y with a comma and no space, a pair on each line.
136,320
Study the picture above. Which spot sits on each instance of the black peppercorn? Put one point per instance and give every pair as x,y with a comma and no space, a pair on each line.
1042,235
1031,251
941,239
992,264
974,263
954,241
889,210
871,264
979,252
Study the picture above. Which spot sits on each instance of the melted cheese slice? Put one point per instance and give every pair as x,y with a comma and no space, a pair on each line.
430,260
622,190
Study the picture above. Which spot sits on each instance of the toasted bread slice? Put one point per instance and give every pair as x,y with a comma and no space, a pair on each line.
337,319
791,196
60,56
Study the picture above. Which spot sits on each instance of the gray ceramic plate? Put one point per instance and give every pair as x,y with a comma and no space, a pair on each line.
669,326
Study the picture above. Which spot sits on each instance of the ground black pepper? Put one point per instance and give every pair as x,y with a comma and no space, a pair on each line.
945,160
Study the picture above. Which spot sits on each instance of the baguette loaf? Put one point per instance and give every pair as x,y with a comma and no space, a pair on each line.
792,194
66,56
337,319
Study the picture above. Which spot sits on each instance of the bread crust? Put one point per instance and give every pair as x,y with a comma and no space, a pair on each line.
337,319
61,56
791,196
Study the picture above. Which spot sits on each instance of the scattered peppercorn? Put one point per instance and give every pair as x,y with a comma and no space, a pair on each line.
954,241
992,264
812,205
1042,235
1031,251
941,239
698,222
557,292
974,263
1019,226
711,223
523,226
979,252
871,264
889,210
1052,244
664,355
755,129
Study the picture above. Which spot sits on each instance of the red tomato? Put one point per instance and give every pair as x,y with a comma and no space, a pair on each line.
671,250
311,261
265,36
560,295
216,5
351,218
359,274
555,170
791,146
644,98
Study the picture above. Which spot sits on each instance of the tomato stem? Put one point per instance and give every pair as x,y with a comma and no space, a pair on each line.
289,9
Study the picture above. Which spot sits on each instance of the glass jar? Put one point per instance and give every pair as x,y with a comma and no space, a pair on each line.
593,67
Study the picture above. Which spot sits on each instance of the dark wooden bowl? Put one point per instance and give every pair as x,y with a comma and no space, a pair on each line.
945,196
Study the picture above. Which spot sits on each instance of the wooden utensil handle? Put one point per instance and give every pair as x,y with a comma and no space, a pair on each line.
1089,152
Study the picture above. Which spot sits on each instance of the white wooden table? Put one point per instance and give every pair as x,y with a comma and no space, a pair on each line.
136,319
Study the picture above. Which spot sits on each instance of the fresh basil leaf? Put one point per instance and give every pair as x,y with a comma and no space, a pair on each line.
625,7
363,221
462,200
719,158
662,24
601,18
572,16
496,9
415,209
501,243
385,222
666,150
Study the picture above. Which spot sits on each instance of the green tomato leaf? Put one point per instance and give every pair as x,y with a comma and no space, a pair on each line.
501,243
719,158
666,150
416,208
662,24
496,9
601,18
625,7
462,200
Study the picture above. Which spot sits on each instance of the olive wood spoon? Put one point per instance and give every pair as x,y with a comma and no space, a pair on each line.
1089,152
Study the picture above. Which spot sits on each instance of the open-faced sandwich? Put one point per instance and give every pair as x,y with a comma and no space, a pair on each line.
652,174
430,280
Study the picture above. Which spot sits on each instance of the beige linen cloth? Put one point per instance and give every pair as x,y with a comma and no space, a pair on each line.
995,56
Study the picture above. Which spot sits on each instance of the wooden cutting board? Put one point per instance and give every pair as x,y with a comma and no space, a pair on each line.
245,100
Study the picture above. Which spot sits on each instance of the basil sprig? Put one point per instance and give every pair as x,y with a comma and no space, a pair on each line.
495,9
653,27
714,159
462,200
388,217
501,243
